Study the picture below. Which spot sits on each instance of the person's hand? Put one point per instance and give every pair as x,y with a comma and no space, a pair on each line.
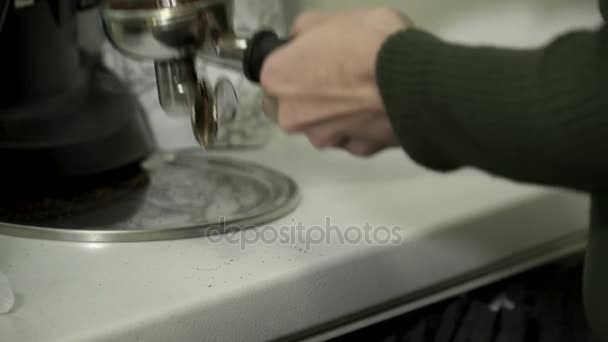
323,83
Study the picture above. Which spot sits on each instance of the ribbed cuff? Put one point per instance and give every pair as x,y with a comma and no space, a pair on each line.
403,72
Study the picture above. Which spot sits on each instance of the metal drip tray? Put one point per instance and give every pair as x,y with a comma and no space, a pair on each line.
174,196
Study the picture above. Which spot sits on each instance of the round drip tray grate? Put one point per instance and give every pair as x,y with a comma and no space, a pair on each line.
177,195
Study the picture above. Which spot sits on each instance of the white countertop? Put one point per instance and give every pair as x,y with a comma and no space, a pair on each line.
196,290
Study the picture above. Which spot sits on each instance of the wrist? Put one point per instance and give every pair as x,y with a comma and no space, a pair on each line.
392,23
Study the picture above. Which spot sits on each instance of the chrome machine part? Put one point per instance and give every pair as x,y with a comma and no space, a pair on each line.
178,86
181,93
177,196
173,33
205,120
214,112
157,30
167,30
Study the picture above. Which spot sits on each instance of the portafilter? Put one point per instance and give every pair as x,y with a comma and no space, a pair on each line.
174,33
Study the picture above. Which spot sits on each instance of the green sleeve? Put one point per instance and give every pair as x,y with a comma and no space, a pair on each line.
531,115
536,115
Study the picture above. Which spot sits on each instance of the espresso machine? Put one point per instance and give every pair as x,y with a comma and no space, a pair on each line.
175,35
79,161
63,114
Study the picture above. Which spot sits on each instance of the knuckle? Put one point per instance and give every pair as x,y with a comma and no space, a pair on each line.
286,124
320,141
383,12
316,142
362,151
388,13
303,20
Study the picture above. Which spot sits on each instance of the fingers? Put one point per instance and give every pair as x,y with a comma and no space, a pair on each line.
357,147
361,135
363,148
333,133
325,124
381,130
321,84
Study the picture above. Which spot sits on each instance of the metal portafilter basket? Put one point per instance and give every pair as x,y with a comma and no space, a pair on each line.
174,33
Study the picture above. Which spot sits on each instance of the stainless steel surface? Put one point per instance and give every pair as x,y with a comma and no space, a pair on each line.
144,31
178,86
187,195
173,34
182,94
226,102
228,50
154,4
205,116
157,34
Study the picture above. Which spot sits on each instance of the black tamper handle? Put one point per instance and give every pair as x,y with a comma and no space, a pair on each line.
260,46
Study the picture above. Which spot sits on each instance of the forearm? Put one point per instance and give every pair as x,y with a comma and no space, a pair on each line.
532,115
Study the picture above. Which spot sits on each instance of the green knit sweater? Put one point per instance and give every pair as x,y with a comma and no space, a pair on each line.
538,115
